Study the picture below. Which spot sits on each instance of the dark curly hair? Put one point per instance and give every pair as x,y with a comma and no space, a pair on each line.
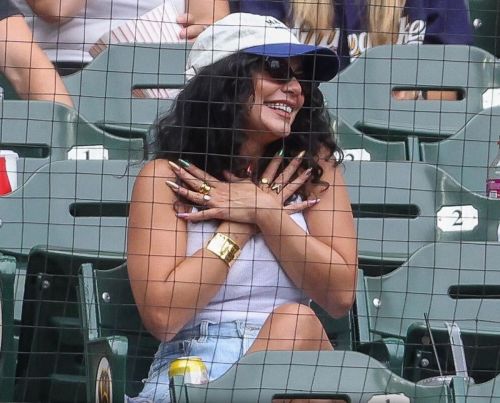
206,123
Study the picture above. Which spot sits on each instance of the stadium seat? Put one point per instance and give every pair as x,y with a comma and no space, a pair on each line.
485,18
8,344
484,392
401,206
467,154
42,132
455,282
50,363
70,204
344,375
102,91
358,146
361,95
118,350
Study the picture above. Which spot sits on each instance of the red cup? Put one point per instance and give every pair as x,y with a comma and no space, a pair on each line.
8,171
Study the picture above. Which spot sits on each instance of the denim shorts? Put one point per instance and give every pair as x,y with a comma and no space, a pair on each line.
219,345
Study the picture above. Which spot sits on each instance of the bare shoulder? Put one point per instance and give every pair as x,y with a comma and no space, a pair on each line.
156,168
150,182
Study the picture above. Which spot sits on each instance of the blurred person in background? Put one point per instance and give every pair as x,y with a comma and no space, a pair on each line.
352,26
67,29
24,64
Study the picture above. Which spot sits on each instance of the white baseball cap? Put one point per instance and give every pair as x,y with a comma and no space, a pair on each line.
259,35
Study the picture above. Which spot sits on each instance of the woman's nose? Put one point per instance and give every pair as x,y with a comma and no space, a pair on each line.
293,87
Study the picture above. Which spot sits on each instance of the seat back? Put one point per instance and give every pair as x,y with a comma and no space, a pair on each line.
103,90
8,344
42,132
70,204
110,311
341,375
467,154
50,359
455,282
362,94
401,206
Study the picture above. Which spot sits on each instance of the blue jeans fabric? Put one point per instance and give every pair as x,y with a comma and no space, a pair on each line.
219,345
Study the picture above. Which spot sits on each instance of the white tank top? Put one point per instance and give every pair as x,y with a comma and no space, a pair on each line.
256,283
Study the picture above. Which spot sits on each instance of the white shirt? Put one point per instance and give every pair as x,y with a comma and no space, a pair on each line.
71,41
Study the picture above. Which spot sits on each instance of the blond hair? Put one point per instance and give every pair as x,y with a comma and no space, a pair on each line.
383,20
315,17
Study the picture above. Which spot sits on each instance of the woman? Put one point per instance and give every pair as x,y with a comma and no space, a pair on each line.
251,146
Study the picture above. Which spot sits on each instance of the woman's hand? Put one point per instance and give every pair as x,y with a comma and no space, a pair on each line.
240,200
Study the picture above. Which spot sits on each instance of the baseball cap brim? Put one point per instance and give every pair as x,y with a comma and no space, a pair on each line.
321,64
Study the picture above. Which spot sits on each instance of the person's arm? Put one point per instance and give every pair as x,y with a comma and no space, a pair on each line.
26,66
199,14
56,11
322,263
168,286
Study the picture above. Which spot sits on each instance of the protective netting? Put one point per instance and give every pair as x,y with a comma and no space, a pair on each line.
315,227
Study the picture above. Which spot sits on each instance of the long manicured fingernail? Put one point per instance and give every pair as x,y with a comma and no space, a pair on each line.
184,163
174,166
182,215
281,153
249,170
173,185
313,202
301,154
308,171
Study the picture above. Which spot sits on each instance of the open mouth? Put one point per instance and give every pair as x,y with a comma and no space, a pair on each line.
279,107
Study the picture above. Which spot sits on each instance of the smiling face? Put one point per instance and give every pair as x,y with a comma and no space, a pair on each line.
274,106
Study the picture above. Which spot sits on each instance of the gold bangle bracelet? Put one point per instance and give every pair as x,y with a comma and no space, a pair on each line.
223,247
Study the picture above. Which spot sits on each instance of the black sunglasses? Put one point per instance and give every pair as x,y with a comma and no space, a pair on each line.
280,69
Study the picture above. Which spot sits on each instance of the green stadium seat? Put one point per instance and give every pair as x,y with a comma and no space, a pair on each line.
361,95
50,362
358,146
8,343
485,18
484,392
342,375
67,213
455,282
118,349
467,154
70,204
42,132
102,91
401,206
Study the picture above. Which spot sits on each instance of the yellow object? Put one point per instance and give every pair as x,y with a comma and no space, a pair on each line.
223,247
192,368
205,188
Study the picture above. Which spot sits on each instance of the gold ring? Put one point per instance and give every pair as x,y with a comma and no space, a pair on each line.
277,187
264,181
205,188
